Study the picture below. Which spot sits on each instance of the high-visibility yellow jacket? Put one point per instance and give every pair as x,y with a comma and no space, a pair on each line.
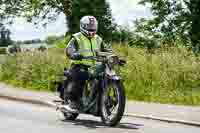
86,47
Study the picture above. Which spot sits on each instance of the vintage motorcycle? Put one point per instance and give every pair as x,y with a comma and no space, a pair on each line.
103,95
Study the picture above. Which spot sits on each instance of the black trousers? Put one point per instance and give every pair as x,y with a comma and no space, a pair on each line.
76,83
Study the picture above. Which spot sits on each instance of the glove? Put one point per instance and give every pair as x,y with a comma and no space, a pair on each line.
77,57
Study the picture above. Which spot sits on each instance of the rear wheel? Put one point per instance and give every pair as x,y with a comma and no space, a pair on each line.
68,115
113,104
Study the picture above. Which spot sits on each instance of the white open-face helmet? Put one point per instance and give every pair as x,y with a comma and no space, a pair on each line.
88,26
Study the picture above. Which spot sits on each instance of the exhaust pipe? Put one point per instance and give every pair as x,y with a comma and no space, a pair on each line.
66,109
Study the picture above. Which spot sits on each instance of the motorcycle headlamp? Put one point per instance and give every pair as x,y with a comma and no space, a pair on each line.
113,60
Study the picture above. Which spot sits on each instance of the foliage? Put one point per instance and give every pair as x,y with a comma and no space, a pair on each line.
2,50
5,39
42,48
166,76
35,70
139,37
50,40
62,43
122,35
12,49
33,41
174,20
44,11
195,19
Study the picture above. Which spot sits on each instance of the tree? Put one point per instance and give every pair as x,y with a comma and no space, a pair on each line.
5,39
195,19
39,11
43,11
145,35
5,33
122,35
173,19
51,39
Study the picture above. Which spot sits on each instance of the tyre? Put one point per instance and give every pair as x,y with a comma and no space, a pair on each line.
108,117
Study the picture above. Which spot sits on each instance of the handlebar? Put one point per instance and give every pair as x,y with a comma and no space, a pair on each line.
89,58
106,57
98,59
120,61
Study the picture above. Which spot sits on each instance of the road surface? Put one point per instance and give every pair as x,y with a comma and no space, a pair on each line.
18,117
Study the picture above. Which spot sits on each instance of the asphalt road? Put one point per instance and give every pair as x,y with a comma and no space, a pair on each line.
18,117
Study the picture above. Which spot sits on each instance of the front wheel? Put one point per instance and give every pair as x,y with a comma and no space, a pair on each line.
113,104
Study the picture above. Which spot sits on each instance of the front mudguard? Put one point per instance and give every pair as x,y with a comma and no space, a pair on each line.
109,80
115,78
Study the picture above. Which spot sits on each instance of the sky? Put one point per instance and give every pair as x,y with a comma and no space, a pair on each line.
124,13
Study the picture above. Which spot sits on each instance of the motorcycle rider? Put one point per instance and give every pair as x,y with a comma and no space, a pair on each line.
82,44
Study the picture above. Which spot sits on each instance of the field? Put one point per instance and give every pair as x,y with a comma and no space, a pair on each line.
169,75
